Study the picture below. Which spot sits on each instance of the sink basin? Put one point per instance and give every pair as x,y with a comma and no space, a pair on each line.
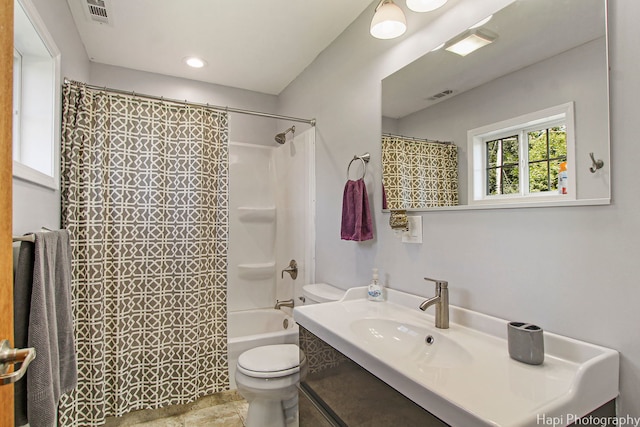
426,347
465,375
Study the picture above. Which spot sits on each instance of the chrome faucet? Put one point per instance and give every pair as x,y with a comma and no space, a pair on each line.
441,301
285,303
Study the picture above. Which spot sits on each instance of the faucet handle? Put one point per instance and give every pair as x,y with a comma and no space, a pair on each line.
292,269
439,283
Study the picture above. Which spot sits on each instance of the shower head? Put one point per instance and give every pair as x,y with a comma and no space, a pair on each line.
281,138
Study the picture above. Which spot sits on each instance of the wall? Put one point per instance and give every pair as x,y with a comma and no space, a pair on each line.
568,269
35,206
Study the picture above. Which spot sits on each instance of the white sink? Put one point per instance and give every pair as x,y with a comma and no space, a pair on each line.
390,338
464,375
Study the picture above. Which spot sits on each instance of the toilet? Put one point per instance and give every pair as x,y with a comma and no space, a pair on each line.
321,292
268,376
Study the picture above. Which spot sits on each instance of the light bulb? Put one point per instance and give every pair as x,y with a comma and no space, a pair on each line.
388,22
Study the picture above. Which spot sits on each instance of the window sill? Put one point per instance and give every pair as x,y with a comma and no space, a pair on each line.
25,173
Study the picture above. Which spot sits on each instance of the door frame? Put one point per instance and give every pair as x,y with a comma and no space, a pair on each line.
6,186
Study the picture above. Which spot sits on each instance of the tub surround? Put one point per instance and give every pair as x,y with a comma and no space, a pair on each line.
466,377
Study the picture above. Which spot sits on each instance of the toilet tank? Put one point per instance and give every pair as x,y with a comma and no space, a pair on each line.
321,292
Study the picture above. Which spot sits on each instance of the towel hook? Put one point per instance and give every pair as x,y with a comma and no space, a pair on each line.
596,164
364,159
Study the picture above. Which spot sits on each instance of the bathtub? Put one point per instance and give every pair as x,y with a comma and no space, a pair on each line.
253,328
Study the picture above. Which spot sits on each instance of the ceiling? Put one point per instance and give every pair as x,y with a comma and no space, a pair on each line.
528,32
257,45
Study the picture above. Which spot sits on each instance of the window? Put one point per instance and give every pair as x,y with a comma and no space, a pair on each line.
36,98
519,160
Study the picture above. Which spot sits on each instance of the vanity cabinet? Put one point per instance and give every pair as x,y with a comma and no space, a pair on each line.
338,392
349,395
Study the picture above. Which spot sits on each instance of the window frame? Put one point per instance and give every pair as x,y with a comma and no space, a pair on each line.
478,163
50,144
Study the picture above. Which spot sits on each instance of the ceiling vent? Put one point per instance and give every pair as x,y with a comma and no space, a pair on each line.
98,11
440,95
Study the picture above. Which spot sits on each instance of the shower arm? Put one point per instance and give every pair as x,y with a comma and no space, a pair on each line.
282,137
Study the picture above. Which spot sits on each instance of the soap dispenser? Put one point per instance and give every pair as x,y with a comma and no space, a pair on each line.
374,293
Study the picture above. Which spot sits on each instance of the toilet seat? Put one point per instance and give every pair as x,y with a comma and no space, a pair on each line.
271,361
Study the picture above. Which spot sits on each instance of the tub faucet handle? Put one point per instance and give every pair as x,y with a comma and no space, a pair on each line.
292,269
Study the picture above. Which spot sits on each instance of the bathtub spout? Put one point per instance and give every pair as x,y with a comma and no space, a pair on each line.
285,303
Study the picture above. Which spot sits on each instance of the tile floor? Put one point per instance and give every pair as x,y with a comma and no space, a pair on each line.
226,409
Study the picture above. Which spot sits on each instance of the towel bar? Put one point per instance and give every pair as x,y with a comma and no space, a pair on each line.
364,159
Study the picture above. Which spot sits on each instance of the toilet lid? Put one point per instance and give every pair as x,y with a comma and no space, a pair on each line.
270,361
322,292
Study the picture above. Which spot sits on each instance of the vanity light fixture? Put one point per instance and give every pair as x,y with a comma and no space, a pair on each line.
388,21
425,5
470,41
194,62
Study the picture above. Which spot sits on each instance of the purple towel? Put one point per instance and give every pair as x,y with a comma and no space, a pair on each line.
356,217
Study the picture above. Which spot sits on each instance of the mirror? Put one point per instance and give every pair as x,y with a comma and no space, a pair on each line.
545,53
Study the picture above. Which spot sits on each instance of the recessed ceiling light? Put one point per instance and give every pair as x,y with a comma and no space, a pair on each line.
470,41
195,62
481,23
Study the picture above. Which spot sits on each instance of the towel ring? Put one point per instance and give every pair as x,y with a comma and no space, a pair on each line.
364,159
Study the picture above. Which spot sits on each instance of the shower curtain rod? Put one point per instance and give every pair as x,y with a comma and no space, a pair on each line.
311,122
413,138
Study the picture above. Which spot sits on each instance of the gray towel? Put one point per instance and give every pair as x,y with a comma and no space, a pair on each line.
21,303
54,371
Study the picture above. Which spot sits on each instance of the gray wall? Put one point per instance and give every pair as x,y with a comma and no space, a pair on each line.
571,269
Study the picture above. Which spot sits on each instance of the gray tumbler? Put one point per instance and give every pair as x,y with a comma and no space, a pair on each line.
526,343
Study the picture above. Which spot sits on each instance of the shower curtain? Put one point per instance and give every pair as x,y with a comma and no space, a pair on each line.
144,197
419,173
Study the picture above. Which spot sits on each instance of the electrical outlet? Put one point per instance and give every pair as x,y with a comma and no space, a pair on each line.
414,235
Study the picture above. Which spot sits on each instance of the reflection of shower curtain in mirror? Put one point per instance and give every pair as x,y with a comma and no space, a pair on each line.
419,173
144,197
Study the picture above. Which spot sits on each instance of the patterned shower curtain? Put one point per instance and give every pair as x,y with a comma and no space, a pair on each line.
419,173
144,197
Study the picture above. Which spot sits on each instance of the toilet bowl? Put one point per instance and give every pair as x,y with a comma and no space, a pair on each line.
267,377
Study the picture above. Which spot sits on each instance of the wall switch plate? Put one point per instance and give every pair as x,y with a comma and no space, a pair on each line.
414,235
